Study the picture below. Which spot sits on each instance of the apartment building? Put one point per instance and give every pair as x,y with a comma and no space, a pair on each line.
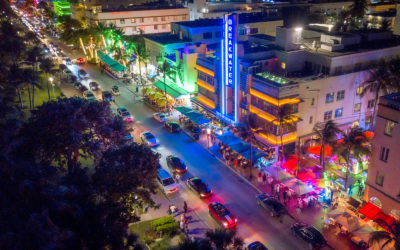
139,19
383,186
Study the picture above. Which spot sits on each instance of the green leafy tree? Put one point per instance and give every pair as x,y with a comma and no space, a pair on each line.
142,57
387,239
326,136
223,239
46,65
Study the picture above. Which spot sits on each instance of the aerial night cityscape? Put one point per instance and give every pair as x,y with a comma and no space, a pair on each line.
200,124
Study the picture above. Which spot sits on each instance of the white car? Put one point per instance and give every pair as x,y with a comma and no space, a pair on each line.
160,117
167,183
149,139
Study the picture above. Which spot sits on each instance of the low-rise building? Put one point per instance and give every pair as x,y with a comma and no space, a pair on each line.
383,186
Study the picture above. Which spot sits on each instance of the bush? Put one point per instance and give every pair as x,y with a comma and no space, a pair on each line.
148,240
168,229
162,221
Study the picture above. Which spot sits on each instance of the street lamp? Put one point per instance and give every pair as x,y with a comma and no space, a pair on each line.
208,136
52,85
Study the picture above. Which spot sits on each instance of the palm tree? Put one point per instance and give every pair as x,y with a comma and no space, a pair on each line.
284,120
223,239
353,143
326,136
390,238
251,125
46,65
384,79
142,56
34,56
165,69
357,11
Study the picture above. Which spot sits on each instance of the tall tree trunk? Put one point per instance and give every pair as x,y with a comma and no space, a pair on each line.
48,88
33,96
19,97
140,72
322,157
374,111
346,180
29,97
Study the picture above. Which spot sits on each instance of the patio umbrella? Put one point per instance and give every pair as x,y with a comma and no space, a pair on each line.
306,176
364,232
228,138
299,187
240,147
291,164
147,91
336,212
317,149
349,221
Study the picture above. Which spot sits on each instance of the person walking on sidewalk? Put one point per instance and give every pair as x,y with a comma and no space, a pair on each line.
260,177
264,178
185,207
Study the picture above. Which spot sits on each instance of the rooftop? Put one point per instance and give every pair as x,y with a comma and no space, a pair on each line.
243,18
147,6
166,38
264,37
392,101
273,78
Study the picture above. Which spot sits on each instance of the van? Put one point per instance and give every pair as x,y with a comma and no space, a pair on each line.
167,183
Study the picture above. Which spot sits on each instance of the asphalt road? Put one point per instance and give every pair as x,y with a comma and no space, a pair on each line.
253,223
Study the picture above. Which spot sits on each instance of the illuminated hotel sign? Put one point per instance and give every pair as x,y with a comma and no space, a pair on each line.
229,66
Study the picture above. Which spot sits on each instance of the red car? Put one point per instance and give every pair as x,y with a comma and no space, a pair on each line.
220,213
81,60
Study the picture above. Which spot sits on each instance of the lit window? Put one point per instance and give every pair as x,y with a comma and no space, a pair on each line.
384,154
283,65
340,95
175,18
389,127
310,121
155,19
379,179
122,21
338,112
327,115
312,101
142,20
133,20
329,97
357,107
359,90
368,120
163,18
371,103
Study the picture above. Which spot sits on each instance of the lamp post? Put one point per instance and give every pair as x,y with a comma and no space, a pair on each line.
52,85
208,136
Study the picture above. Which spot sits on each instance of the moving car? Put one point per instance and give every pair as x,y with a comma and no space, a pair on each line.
68,72
77,85
176,164
115,90
222,215
80,60
270,204
62,67
160,117
107,96
94,86
309,234
124,113
256,245
68,61
83,89
167,183
173,127
197,185
89,96
82,73
149,139
128,138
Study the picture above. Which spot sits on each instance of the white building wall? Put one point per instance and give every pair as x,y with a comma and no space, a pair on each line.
149,21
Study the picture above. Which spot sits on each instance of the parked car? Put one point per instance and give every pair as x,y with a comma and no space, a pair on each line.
309,234
176,164
77,85
160,117
222,215
82,73
270,204
89,96
68,72
173,127
197,185
149,139
115,90
62,67
256,245
124,113
83,89
94,86
80,60
167,183
68,61
107,96
128,138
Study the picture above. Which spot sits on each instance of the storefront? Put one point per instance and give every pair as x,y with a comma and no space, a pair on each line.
180,96
109,66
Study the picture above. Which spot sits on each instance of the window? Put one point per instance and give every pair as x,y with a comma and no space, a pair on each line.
164,26
163,18
384,154
340,95
218,34
122,21
379,179
389,127
310,121
329,97
368,120
253,31
371,103
357,67
327,115
312,101
207,35
338,112
175,18
155,19
359,90
142,20
133,20
357,107
156,27
184,17
338,70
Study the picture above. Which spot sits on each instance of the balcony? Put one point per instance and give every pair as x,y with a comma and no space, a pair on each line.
276,139
205,85
206,101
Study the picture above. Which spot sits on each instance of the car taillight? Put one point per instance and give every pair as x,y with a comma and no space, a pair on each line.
225,224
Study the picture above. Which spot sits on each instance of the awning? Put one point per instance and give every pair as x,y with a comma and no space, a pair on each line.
228,138
173,91
116,66
384,220
196,117
184,110
316,150
370,210
256,154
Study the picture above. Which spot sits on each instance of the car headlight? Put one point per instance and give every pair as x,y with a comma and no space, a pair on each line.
235,220
225,224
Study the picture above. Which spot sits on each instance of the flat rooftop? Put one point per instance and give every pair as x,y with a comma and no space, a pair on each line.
166,38
273,78
243,19
391,101
149,6
263,37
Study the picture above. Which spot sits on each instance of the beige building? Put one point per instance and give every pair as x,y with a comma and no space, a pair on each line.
383,186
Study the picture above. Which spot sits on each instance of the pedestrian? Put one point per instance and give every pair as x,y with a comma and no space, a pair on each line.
185,207
284,195
186,228
169,210
260,177
235,163
182,226
350,190
264,178
298,210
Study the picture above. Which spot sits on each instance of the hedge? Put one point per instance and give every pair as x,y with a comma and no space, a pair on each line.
162,221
